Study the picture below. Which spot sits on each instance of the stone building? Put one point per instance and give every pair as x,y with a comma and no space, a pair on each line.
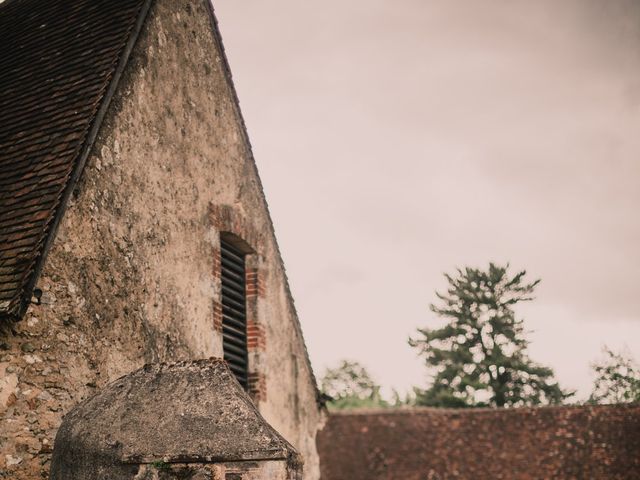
572,442
133,225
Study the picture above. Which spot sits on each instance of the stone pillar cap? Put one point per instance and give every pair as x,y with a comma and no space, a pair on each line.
184,412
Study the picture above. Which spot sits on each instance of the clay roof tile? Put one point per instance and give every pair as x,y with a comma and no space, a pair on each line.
59,63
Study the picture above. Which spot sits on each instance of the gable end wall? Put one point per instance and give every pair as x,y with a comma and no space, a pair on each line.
130,277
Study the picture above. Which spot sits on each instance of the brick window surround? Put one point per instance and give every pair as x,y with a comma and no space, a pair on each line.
236,230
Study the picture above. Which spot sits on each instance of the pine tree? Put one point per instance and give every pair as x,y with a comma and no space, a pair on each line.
479,357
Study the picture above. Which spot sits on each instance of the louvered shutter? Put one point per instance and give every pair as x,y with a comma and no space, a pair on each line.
234,311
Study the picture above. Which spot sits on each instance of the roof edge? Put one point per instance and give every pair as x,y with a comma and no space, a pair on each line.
463,411
78,168
275,454
245,135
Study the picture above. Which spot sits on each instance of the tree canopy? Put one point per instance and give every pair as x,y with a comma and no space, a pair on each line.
617,379
479,356
349,385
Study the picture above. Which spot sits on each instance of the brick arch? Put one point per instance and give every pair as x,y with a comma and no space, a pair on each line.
226,218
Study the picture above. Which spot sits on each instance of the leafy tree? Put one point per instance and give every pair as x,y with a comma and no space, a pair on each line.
349,385
617,379
406,400
479,357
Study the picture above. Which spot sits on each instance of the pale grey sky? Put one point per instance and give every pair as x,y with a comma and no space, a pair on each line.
399,139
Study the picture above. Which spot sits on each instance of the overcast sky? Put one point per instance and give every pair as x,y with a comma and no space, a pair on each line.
399,139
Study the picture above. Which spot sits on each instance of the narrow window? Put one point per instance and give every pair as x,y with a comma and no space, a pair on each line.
234,311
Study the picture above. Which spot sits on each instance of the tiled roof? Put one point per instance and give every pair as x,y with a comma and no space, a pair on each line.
595,442
58,62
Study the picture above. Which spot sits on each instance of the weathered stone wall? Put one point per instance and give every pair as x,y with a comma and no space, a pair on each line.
582,442
131,276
